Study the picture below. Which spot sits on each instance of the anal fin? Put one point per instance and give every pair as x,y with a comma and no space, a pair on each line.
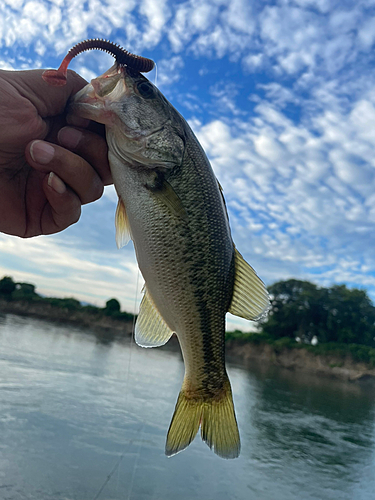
150,329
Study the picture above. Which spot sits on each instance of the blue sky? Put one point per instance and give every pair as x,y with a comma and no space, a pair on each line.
281,95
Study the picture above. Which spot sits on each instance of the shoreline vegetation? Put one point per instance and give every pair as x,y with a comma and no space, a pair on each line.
351,361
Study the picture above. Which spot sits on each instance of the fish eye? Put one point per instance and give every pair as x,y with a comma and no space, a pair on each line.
145,89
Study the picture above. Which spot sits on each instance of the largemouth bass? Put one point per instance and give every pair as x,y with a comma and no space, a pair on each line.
172,207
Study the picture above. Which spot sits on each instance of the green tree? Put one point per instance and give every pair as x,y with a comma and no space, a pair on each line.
112,307
7,287
69,303
336,314
350,316
295,310
25,291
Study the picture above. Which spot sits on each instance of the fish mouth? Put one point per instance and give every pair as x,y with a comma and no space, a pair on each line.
88,104
94,100
101,101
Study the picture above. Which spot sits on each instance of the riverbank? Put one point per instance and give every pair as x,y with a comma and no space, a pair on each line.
246,352
95,320
301,360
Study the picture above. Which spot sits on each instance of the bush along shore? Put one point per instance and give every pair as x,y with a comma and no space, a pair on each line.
317,330
329,331
352,362
22,299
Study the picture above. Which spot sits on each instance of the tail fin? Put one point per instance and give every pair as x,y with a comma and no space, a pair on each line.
217,420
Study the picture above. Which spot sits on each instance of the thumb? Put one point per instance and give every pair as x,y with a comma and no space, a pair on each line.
48,100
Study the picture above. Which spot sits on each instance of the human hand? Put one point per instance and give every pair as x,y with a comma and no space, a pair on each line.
43,184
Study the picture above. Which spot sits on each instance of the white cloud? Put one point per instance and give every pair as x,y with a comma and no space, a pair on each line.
169,71
366,33
92,276
225,95
157,15
279,95
323,5
253,62
61,24
239,16
300,192
214,28
191,18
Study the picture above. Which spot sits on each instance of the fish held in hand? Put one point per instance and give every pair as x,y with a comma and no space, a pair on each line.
172,207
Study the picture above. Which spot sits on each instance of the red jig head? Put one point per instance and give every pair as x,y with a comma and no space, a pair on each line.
57,77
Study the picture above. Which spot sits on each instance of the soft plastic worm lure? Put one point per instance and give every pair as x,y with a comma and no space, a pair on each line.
57,77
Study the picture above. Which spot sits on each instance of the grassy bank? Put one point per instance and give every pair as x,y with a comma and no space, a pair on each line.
71,312
358,353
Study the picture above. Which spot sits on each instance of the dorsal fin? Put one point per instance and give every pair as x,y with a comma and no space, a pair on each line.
250,297
222,197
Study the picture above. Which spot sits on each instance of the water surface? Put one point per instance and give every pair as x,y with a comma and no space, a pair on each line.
81,419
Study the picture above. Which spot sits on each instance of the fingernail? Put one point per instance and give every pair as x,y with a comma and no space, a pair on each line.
41,152
69,137
56,183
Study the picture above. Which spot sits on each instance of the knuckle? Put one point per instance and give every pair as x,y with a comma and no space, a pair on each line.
76,216
73,216
70,214
96,191
99,189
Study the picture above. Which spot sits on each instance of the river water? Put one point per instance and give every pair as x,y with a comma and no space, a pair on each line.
82,418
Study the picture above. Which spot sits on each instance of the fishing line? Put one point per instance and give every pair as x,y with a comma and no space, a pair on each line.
127,379
143,425
135,464
109,476
156,75
132,341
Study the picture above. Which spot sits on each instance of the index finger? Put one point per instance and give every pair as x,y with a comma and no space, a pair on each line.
90,146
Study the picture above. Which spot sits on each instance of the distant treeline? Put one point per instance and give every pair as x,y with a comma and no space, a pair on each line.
342,320
12,291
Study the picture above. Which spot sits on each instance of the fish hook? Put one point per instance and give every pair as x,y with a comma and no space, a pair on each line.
57,77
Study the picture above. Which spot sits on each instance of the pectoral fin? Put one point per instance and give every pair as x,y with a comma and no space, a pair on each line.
150,329
172,200
167,195
250,297
123,234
